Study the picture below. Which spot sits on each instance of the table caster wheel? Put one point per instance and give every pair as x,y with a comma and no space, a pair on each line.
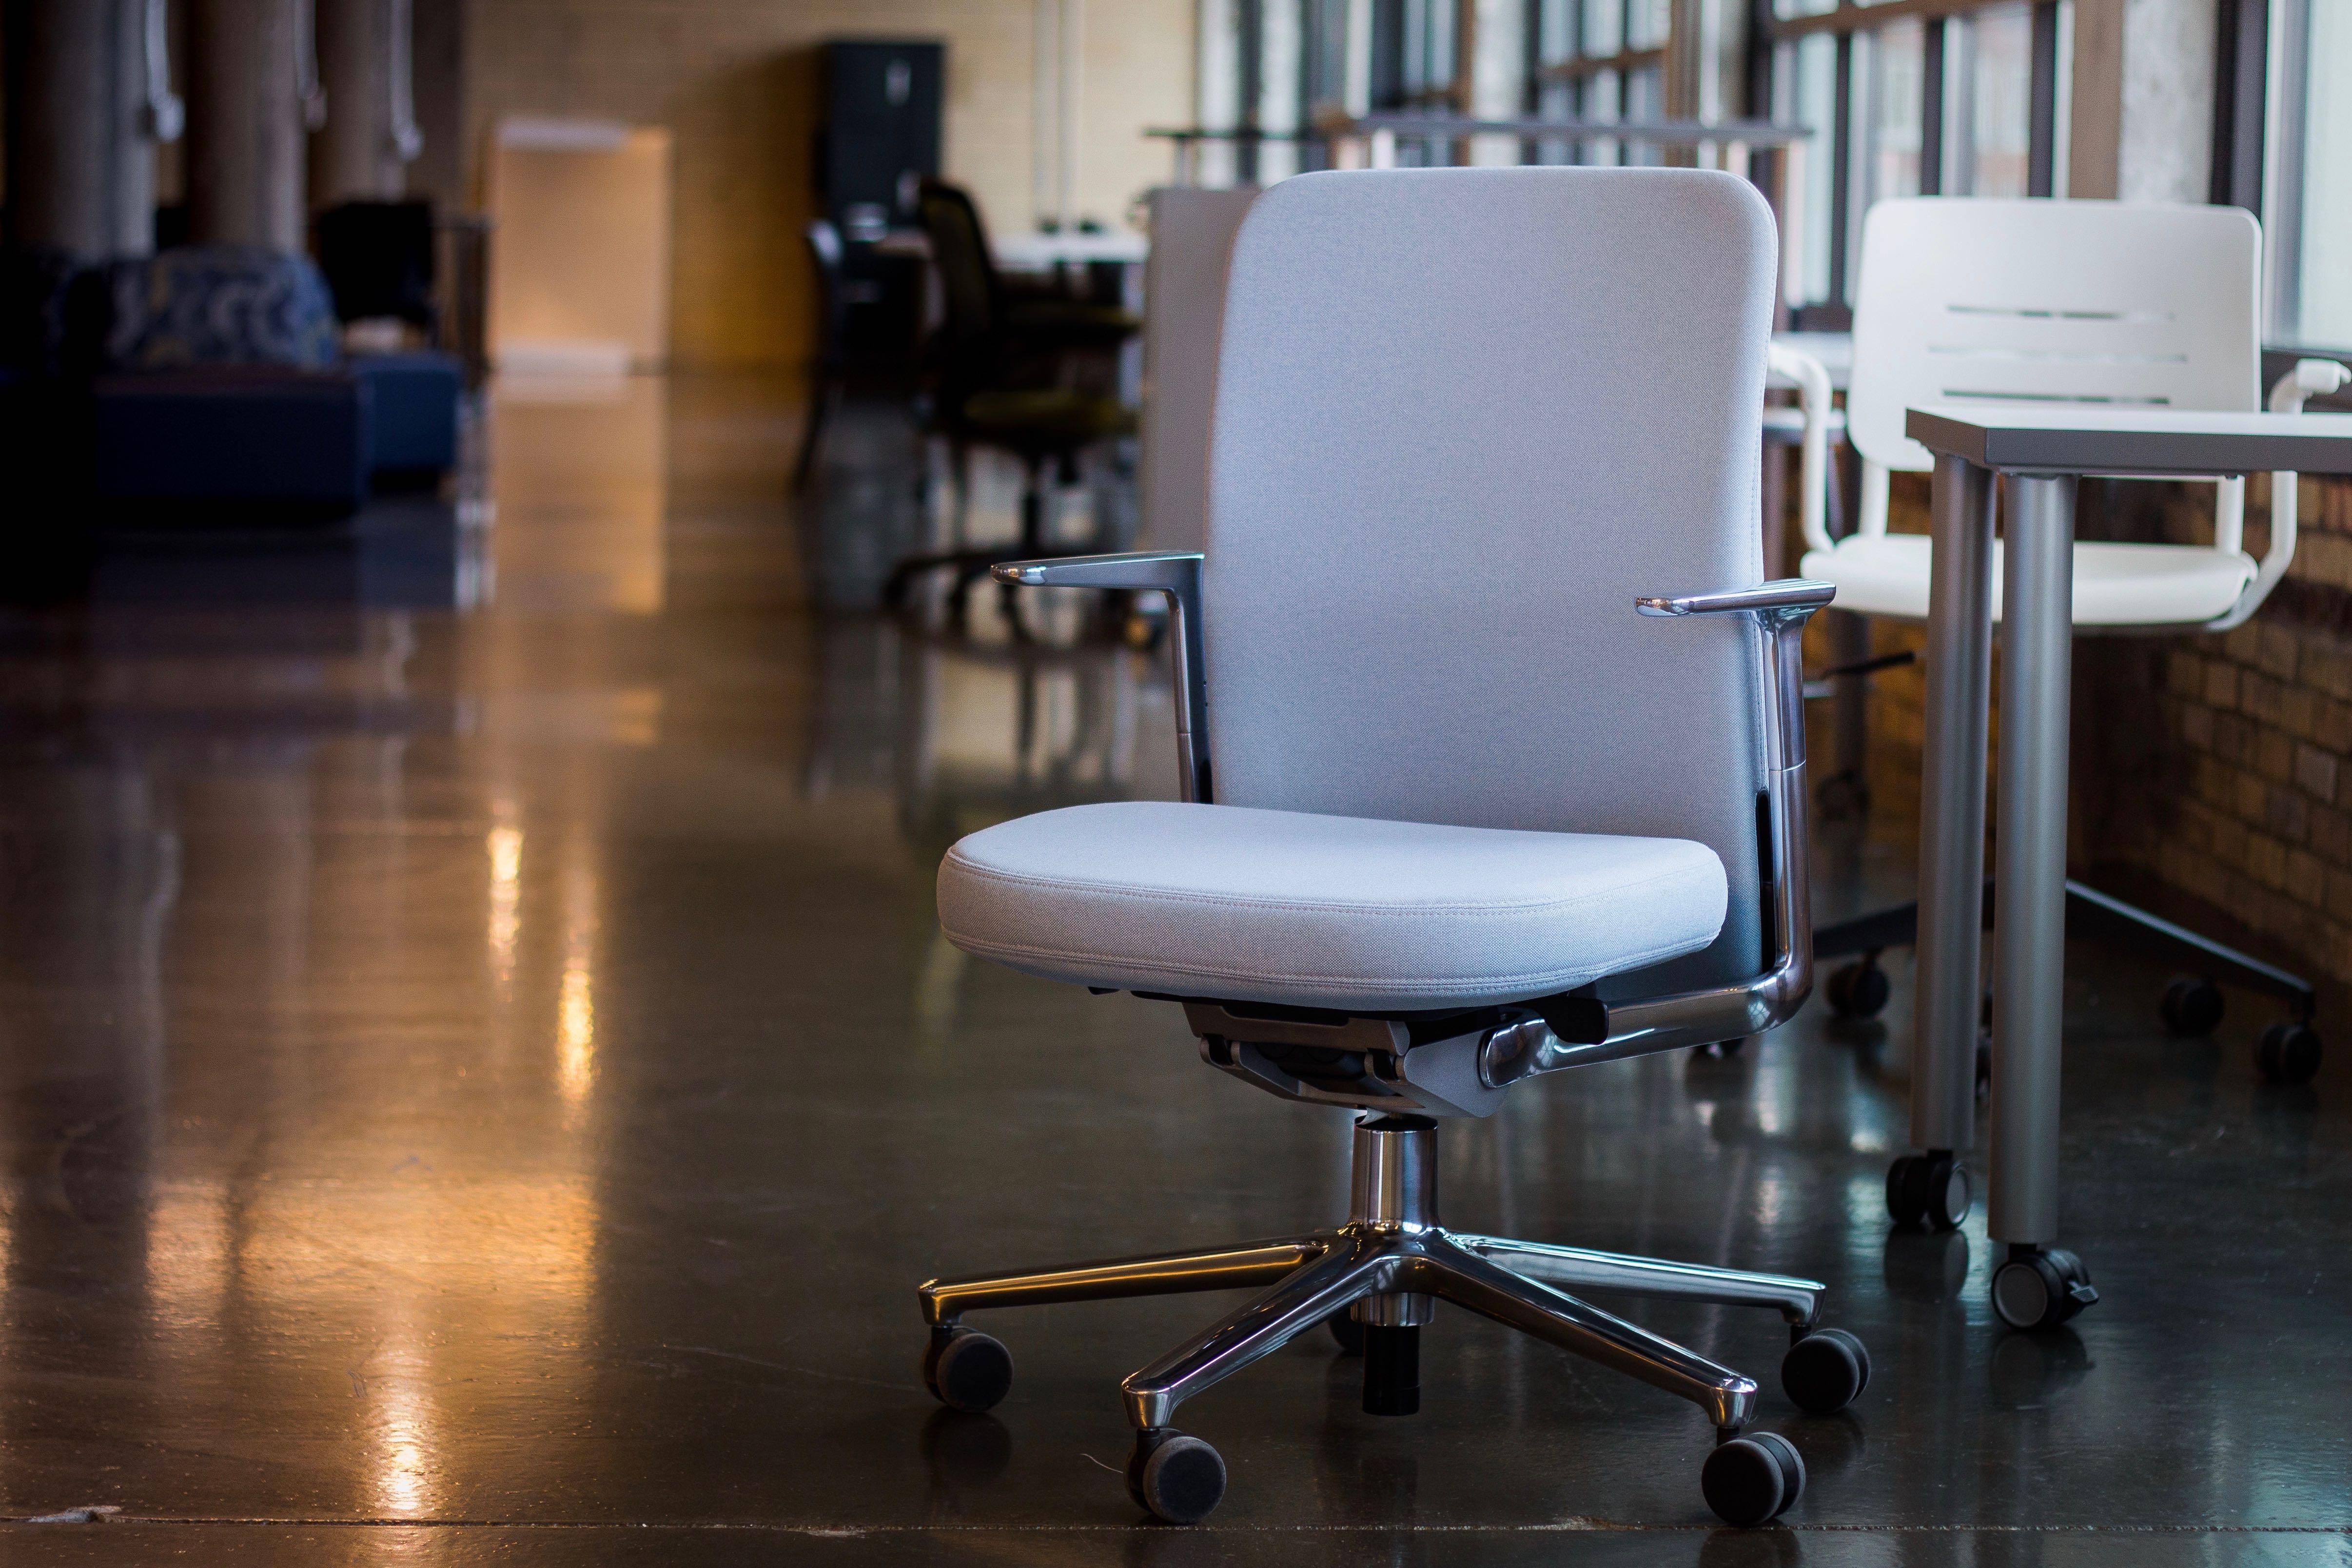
1348,1332
967,1370
2287,1053
2040,1288
1752,1481
1825,1372
1927,1192
2192,1004
1174,1478
1859,990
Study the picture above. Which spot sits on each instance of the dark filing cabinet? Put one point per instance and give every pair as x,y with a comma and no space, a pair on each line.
879,140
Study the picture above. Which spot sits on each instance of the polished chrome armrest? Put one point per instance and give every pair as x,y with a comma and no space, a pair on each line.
1798,595
1780,610
1177,574
1577,1030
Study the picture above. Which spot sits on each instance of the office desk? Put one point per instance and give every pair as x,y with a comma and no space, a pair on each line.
1036,252
1043,252
2044,451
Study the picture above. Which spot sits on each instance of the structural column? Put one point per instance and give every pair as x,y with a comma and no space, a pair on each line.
363,151
251,78
82,149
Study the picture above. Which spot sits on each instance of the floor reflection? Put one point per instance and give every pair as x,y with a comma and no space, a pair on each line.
492,1058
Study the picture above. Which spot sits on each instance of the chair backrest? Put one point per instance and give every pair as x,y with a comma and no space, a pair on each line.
1464,418
960,251
1964,299
1184,308
831,306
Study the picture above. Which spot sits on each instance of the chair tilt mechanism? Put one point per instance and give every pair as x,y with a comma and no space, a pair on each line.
1436,853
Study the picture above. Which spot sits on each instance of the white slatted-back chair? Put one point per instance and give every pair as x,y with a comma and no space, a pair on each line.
2000,301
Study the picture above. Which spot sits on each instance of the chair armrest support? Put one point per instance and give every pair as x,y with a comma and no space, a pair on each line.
2309,378
1177,574
1780,610
1580,1030
1813,395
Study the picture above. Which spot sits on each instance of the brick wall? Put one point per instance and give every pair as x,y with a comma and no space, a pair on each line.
2217,767
2217,764
736,81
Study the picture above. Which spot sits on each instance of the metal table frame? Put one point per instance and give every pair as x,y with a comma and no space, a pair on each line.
2043,453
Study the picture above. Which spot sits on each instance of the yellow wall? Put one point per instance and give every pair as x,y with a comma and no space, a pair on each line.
736,81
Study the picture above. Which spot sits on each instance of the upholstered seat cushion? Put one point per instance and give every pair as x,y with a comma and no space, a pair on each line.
2114,584
1330,912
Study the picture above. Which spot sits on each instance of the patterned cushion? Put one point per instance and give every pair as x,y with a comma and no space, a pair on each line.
222,305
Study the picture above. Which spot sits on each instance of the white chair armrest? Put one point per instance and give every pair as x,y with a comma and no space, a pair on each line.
1812,379
2309,378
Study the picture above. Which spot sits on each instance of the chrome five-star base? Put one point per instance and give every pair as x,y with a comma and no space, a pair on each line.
1377,1278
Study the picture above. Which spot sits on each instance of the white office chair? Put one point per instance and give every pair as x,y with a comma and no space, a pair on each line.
2002,302
1457,814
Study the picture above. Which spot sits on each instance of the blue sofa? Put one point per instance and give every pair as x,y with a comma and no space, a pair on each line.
227,388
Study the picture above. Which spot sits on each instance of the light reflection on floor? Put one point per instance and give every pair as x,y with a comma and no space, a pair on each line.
496,1062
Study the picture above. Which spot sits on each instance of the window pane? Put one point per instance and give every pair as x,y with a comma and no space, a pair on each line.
2325,259
1601,100
1999,122
1555,31
1646,22
1895,108
1604,26
1645,93
1814,107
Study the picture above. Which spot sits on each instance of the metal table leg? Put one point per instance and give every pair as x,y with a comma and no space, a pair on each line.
1932,1188
2038,1287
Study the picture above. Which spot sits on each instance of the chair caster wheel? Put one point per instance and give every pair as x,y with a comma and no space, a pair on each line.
1825,1372
2287,1053
1721,1050
1174,1478
967,1370
1752,1481
1346,1331
2041,1288
1927,1192
1859,990
2192,1004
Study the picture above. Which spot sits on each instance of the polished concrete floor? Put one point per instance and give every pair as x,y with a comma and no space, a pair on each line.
482,1079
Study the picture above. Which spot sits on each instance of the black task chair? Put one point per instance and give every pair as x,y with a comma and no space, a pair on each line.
1042,318
1000,372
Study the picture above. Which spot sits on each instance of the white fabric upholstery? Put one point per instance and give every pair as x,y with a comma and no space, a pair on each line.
2114,584
1330,912
1464,418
